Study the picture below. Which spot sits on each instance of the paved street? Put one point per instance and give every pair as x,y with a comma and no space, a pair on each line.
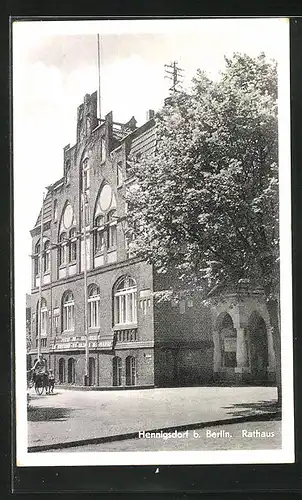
240,436
77,415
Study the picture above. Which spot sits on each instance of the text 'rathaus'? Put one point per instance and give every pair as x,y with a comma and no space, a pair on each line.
112,332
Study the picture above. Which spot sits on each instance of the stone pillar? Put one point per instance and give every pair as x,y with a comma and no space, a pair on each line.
271,354
217,352
241,353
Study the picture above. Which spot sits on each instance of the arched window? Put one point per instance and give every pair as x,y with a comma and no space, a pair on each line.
63,249
125,301
72,245
130,370
111,219
94,306
116,371
68,312
99,236
46,256
37,258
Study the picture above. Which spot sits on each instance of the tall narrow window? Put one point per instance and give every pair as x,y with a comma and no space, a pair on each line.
68,312
86,175
112,232
72,245
125,301
67,171
46,256
94,307
86,211
55,210
119,174
99,238
103,146
43,317
63,249
37,259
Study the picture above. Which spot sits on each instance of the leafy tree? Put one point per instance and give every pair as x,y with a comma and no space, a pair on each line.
205,204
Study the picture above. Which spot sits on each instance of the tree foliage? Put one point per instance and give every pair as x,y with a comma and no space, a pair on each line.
206,202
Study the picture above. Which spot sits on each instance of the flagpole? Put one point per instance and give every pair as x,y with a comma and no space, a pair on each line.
99,74
40,281
86,377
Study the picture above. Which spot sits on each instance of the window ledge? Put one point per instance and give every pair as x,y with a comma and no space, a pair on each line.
112,249
125,326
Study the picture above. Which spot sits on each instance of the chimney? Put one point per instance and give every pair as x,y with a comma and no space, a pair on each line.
150,114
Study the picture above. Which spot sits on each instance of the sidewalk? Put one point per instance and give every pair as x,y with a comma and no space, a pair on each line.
70,418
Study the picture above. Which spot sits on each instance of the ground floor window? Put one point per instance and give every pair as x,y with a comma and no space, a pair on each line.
117,371
130,370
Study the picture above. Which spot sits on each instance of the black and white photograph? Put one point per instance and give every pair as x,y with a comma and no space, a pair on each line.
152,236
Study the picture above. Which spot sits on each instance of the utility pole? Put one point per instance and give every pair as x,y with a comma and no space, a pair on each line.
86,376
99,74
174,73
40,281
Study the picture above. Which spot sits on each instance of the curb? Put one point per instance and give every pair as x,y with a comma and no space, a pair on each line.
132,435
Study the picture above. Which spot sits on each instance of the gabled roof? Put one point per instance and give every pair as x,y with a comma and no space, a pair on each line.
47,210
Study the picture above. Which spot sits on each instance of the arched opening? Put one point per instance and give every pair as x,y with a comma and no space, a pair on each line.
91,371
130,370
62,371
258,348
228,341
116,371
71,371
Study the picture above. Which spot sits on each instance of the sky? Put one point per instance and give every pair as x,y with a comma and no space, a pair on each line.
55,65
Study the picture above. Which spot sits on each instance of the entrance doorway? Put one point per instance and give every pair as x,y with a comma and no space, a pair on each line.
130,370
91,371
62,371
71,371
116,371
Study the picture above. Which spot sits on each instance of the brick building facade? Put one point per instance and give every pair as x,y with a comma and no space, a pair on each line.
133,339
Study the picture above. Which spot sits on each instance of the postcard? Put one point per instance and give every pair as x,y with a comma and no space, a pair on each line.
152,236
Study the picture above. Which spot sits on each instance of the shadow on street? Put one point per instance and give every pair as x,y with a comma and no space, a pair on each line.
47,413
254,409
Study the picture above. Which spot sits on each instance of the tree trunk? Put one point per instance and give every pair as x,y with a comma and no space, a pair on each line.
273,310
